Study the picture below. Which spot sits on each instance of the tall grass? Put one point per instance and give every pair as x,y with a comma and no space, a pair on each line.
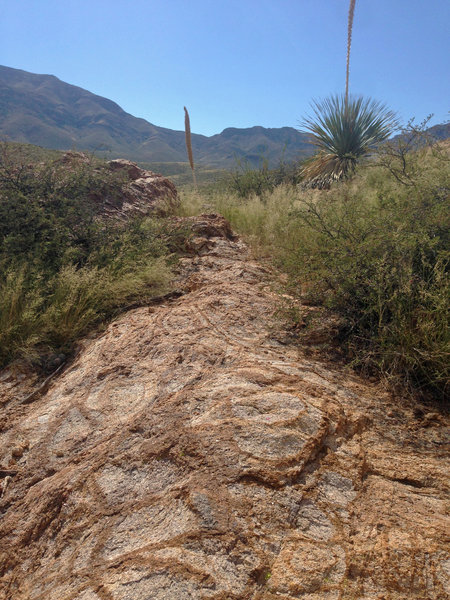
37,316
264,220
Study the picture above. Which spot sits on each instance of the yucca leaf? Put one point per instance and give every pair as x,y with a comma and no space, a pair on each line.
343,131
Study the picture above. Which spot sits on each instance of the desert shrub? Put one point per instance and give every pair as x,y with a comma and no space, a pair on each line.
246,180
63,267
377,252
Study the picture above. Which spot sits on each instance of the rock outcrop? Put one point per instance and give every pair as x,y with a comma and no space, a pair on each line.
136,192
186,453
146,192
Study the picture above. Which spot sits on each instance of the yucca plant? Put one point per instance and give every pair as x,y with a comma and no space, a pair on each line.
344,129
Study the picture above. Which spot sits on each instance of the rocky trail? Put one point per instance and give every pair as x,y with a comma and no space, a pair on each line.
186,453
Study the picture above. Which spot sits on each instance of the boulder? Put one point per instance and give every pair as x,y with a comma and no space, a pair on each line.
145,192
136,191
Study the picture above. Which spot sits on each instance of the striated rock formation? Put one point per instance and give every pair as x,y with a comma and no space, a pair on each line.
146,192
188,454
141,192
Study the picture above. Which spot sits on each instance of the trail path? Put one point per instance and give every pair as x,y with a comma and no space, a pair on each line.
187,454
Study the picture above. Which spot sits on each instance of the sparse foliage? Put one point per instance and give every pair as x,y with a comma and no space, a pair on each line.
405,155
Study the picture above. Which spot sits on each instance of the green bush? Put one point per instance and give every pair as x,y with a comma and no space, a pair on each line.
246,180
376,251
63,267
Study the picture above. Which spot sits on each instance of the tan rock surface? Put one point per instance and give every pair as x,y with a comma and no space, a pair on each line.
141,192
188,454
146,192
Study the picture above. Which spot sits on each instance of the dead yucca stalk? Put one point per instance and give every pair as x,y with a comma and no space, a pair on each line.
187,130
351,14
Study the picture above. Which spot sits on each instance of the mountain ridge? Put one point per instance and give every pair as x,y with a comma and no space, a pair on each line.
43,110
46,111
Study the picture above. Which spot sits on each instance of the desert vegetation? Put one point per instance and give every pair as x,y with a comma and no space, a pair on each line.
63,267
373,249
344,129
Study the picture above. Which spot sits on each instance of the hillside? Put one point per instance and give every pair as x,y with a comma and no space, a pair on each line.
42,110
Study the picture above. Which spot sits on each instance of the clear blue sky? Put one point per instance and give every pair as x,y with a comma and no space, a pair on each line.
235,63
